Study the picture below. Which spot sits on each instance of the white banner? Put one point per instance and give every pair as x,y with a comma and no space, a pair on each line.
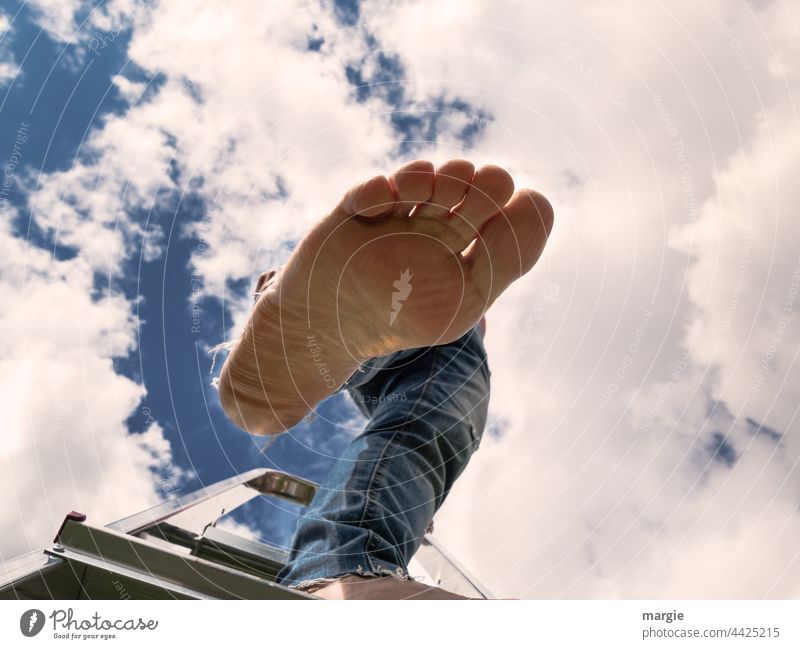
404,624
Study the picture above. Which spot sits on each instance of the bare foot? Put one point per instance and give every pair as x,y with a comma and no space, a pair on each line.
412,260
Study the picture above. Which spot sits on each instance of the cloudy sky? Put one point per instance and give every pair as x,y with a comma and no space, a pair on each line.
158,155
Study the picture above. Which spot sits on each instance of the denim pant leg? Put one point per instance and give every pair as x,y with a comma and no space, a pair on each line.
427,412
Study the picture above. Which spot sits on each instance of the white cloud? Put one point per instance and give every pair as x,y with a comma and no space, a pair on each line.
240,529
66,444
7,72
87,29
746,276
8,66
57,17
91,206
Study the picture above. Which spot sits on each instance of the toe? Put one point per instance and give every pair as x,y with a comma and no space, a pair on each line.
510,243
488,192
371,198
413,183
450,184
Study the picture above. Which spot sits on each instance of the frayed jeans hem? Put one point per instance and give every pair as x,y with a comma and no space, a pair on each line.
398,573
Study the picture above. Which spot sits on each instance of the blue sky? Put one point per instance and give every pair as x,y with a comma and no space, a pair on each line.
643,437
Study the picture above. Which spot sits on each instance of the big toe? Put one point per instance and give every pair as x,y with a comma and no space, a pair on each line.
510,243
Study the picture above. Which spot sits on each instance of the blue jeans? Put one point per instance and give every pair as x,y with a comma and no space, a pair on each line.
427,412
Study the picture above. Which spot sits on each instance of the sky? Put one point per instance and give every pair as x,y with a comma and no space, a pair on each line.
157,156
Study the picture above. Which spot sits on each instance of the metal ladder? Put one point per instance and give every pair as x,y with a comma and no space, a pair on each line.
175,551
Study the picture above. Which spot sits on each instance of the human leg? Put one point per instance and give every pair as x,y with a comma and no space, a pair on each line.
427,410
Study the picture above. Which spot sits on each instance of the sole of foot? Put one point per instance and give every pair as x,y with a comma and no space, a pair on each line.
410,260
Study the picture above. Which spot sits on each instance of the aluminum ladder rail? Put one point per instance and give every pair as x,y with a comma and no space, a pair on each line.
175,551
